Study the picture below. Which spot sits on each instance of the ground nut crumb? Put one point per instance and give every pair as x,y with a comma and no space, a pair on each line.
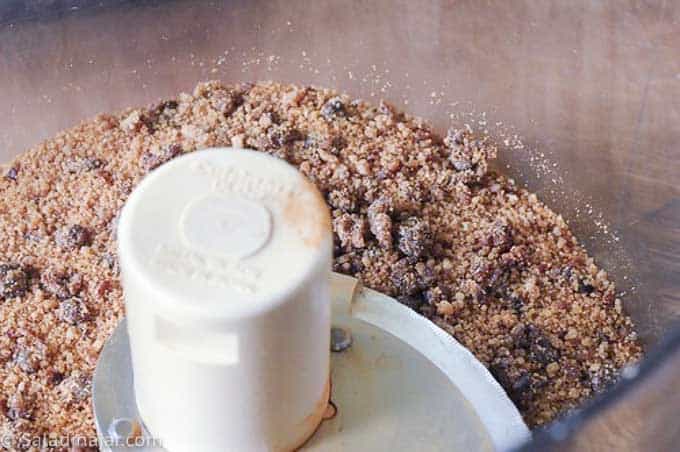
552,369
419,217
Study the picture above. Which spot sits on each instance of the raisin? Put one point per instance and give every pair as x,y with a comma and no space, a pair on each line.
481,270
154,114
342,199
427,311
468,156
519,387
455,137
167,105
73,311
532,339
93,164
381,227
14,281
83,165
500,235
522,335
107,176
5,353
585,287
516,257
483,273
517,304
20,405
310,142
75,388
111,262
494,277
104,288
333,144
425,136
426,275
434,296
292,135
162,108
499,370
349,263
414,237
26,359
351,231
388,109
338,143
600,383
272,117
359,231
152,160
54,377
405,278
274,140
411,301
497,281
380,222
61,283
74,237
597,384
521,390
332,108
600,379
12,174
462,165
226,101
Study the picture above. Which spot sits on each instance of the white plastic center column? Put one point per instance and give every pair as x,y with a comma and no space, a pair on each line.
225,257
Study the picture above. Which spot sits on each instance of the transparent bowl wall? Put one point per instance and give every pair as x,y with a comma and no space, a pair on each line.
590,89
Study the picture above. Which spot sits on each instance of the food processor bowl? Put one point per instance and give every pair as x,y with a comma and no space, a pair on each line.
583,98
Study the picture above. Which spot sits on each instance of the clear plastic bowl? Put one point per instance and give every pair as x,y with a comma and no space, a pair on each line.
584,97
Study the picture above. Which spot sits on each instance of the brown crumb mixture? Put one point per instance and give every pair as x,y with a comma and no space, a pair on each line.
416,216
